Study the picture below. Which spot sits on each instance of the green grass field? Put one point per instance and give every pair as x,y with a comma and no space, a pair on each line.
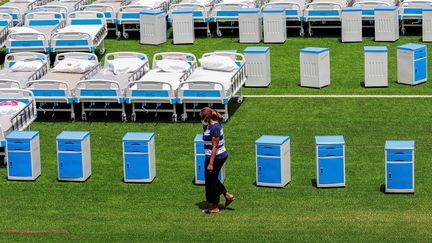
169,209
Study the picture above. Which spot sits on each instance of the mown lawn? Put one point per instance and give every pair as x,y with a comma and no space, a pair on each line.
106,209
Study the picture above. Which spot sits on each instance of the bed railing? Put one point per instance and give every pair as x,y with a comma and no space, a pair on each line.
91,72
139,73
25,116
188,73
79,4
40,72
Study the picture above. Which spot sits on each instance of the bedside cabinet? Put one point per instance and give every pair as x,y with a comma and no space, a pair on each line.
399,166
139,157
330,161
200,162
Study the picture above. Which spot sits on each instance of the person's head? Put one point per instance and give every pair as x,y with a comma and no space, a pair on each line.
209,115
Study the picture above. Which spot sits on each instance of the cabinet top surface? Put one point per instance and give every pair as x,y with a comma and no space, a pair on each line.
22,135
256,49
411,46
314,49
198,138
73,135
138,136
399,144
270,139
375,49
329,140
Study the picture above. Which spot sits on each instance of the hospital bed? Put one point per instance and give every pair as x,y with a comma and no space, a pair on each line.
56,88
410,12
201,12
324,14
110,8
17,112
6,22
368,7
226,13
159,88
293,12
17,8
84,31
17,76
36,33
209,87
128,18
108,85
70,5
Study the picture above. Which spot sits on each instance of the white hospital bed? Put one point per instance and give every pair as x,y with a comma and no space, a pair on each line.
10,78
324,14
110,8
36,33
108,86
226,13
57,87
368,7
293,12
70,5
211,87
157,88
410,12
6,22
202,10
19,115
85,31
17,8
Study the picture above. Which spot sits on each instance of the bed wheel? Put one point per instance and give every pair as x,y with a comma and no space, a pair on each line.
133,117
102,51
174,118
310,32
240,99
83,116
118,34
125,35
219,33
403,31
208,33
123,117
302,32
183,117
225,116
73,116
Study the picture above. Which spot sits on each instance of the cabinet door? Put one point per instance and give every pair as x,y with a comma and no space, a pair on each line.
200,170
70,165
269,170
420,69
19,164
137,166
331,170
399,176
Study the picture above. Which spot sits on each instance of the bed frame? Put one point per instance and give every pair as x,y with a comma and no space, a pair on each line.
326,13
226,13
81,41
203,92
57,92
150,94
37,42
22,119
293,13
368,11
93,91
128,18
410,12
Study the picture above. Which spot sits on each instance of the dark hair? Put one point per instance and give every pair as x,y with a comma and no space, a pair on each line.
209,113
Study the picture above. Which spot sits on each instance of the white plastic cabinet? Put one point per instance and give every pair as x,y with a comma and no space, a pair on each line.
376,67
274,25
257,66
183,26
352,25
250,25
386,20
314,67
412,63
153,27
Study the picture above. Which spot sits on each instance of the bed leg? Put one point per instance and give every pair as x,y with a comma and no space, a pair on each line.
123,113
184,115
174,115
226,115
133,115
72,112
83,113
240,98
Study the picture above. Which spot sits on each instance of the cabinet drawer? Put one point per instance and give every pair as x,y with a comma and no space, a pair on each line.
268,150
420,53
330,152
69,145
138,146
15,144
399,155
199,148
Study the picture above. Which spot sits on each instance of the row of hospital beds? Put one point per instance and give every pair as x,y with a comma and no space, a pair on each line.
174,79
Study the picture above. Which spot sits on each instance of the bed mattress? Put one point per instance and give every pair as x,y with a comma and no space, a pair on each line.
157,75
114,4
122,79
223,78
92,30
71,78
21,77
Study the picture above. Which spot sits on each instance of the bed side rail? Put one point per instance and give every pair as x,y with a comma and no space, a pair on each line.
39,73
80,3
238,79
28,114
91,72
188,73
140,72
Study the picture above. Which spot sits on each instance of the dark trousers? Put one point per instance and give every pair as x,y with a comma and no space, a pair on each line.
213,187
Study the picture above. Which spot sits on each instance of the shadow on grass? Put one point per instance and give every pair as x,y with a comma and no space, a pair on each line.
204,205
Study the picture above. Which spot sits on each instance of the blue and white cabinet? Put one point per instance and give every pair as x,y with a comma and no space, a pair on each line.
399,166
200,162
330,161
412,63
273,161
139,157
73,155
23,155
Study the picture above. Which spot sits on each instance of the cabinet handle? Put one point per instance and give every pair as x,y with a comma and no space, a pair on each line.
127,166
389,175
61,164
321,169
10,163
259,168
199,167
